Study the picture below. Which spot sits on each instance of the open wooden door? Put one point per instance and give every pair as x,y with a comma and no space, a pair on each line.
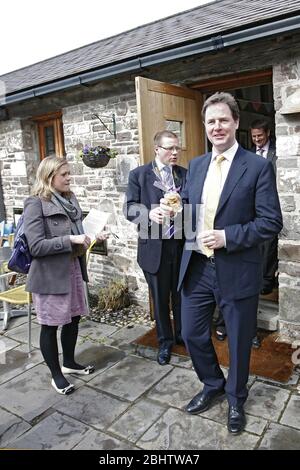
175,108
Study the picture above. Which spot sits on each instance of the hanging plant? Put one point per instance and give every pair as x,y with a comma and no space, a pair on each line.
96,157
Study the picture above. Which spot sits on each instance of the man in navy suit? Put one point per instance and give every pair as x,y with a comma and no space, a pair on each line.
159,245
222,264
265,147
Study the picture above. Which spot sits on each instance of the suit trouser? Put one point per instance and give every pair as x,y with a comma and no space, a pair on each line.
200,294
162,285
270,262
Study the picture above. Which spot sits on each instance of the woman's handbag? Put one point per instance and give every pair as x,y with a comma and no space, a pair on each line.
20,259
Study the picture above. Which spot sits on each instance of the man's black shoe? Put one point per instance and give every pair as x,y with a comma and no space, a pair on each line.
164,355
202,401
256,342
236,419
179,340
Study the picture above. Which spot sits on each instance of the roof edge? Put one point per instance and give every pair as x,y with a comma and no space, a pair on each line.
215,43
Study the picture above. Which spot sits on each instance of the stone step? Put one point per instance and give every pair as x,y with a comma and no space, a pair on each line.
267,315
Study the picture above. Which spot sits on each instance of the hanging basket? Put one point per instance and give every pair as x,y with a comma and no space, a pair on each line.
95,161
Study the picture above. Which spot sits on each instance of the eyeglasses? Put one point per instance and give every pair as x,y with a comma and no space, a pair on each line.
171,149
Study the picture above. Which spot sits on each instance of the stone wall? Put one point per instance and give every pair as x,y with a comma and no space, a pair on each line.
19,160
286,79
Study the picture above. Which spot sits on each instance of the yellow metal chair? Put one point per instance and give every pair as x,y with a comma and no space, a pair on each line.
16,296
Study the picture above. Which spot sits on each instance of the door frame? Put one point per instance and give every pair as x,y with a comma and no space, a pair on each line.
228,82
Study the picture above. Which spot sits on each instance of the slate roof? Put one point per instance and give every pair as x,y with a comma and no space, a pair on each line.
201,22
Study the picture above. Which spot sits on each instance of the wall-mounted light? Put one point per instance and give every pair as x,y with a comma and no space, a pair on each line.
292,104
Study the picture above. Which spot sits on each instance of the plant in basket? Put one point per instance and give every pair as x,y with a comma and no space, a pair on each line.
96,157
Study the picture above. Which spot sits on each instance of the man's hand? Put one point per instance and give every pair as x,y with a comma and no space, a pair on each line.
156,215
213,239
165,208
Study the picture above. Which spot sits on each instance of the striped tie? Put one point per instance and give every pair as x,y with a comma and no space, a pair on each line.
260,151
168,177
213,184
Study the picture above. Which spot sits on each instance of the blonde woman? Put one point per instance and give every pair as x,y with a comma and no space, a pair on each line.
53,228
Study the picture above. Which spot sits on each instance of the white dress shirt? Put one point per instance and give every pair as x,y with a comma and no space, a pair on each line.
225,167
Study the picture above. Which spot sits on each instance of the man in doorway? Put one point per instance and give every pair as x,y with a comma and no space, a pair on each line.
234,203
159,247
264,146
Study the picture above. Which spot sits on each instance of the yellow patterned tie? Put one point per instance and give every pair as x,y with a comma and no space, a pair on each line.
213,185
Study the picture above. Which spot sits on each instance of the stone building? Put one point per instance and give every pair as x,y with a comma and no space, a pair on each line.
149,78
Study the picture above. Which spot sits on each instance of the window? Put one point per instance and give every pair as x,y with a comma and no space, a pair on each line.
50,134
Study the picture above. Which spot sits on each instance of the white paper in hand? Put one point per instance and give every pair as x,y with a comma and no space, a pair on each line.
94,222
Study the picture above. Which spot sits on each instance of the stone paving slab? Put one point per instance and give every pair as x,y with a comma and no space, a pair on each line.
130,402
6,344
17,362
219,413
291,415
95,440
92,407
266,401
137,419
20,333
95,332
123,338
130,378
30,394
177,431
102,357
11,427
16,321
177,388
278,437
54,432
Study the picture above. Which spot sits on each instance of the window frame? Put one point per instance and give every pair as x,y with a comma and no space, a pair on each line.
55,120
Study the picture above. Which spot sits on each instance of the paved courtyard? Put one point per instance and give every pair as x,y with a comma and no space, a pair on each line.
130,402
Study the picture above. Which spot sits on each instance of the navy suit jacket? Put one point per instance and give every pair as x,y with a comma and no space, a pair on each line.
248,211
141,197
271,155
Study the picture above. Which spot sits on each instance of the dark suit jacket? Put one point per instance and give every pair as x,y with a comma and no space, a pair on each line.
248,211
141,197
271,155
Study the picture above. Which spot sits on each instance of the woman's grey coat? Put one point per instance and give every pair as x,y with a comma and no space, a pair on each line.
48,228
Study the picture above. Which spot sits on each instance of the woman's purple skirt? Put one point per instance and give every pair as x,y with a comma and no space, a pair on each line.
58,309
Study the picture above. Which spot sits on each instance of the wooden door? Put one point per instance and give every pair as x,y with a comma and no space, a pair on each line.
165,106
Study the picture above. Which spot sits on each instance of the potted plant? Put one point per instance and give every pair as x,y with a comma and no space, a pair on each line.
96,157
